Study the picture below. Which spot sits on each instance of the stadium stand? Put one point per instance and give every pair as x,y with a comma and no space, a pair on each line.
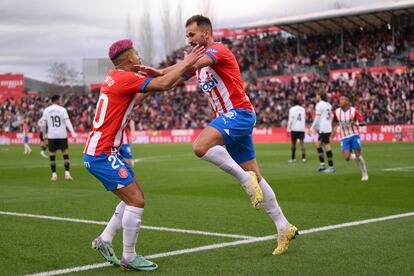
305,55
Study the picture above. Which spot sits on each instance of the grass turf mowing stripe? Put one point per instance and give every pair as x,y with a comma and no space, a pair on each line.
399,169
156,228
227,244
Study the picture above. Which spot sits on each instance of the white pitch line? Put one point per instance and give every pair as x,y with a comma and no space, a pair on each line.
399,169
156,228
227,244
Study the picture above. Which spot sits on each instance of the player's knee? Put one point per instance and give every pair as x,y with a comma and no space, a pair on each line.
136,201
199,150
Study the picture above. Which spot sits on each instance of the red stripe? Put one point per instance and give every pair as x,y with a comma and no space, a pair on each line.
212,103
223,106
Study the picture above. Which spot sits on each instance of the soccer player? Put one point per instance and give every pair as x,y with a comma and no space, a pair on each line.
56,119
125,150
296,128
43,140
123,88
349,119
27,149
219,78
323,124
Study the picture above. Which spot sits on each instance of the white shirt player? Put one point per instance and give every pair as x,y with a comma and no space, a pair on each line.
323,117
297,118
56,118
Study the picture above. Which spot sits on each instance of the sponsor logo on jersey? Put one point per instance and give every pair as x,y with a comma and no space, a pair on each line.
123,173
208,85
211,50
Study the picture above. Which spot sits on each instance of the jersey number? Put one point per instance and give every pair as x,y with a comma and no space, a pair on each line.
299,117
100,111
329,114
55,121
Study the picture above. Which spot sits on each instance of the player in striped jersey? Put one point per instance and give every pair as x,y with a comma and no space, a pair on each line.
123,88
219,78
348,119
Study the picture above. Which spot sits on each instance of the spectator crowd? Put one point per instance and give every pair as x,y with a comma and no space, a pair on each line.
382,98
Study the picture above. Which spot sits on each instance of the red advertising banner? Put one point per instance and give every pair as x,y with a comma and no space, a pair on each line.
11,83
370,133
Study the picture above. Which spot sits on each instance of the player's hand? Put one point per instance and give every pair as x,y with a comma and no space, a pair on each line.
197,53
74,135
148,70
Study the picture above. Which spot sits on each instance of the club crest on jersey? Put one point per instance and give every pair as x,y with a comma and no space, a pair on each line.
123,173
208,84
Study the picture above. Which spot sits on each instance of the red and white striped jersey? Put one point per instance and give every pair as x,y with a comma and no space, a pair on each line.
115,103
347,121
222,81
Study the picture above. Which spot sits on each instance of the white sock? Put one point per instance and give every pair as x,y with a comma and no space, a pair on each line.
219,156
114,224
272,206
352,156
131,222
361,164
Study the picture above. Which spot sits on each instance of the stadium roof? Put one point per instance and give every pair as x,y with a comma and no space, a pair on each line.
331,21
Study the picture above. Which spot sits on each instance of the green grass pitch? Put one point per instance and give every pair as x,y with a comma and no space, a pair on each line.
184,192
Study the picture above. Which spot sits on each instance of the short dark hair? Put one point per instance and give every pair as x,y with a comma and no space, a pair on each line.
200,20
55,98
323,95
295,102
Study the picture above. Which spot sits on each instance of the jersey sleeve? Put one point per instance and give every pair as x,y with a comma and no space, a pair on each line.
135,83
217,53
65,114
358,116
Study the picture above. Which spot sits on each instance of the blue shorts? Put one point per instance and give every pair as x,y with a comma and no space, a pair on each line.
125,151
26,139
111,170
236,127
351,143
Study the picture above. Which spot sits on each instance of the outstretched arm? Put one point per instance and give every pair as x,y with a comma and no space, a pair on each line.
153,72
167,81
